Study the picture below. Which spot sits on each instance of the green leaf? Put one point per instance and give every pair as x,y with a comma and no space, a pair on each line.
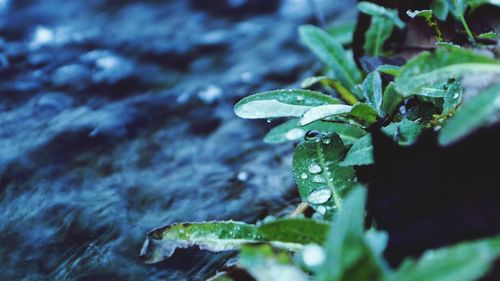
471,115
291,131
364,112
311,81
453,97
264,264
332,54
474,4
391,100
445,63
213,236
344,93
441,9
295,230
342,33
372,90
375,10
405,132
321,181
389,69
489,35
379,31
463,262
281,103
323,111
426,14
361,153
349,254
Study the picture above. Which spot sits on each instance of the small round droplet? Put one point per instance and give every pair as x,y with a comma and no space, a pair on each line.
304,176
313,255
455,96
312,135
319,196
314,168
319,179
242,176
321,210
300,98
269,120
327,140
294,134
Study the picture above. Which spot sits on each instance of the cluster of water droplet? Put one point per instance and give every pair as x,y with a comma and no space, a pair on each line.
317,136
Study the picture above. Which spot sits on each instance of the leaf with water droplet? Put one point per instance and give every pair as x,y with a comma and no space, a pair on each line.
264,263
327,157
281,103
295,230
288,131
471,115
361,153
161,243
331,53
405,132
444,63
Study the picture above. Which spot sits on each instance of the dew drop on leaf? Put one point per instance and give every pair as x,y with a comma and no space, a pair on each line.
312,135
321,210
319,179
314,168
300,98
303,176
319,196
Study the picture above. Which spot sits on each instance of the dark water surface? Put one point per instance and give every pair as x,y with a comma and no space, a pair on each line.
116,118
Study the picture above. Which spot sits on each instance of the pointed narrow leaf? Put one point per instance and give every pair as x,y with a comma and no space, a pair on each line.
364,112
372,90
332,54
323,111
342,32
471,115
361,153
389,69
281,103
379,31
295,230
291,131
322,182
489,35
445,63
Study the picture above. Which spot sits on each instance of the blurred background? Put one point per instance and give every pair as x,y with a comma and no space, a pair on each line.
116,117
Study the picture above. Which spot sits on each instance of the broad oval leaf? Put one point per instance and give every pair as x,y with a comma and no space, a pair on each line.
280,103
389,69
379,31
445,63
295,230
331,53
391,100
405,132
471,115
364,112
321,181
361,153
323,111
291,131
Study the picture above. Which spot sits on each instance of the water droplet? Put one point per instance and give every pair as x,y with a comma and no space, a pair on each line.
327,140
319,179
294,134
300,98
319,196
314,168
269,120
312,135
242,176
321,210
455,96
313,255
303,176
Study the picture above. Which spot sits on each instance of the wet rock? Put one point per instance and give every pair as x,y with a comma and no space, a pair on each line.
73,75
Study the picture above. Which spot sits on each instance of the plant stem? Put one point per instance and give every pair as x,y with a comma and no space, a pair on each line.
464,23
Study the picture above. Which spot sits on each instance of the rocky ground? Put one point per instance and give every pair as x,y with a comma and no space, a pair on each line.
116,118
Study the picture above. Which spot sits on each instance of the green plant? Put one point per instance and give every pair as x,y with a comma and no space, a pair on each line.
334,136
